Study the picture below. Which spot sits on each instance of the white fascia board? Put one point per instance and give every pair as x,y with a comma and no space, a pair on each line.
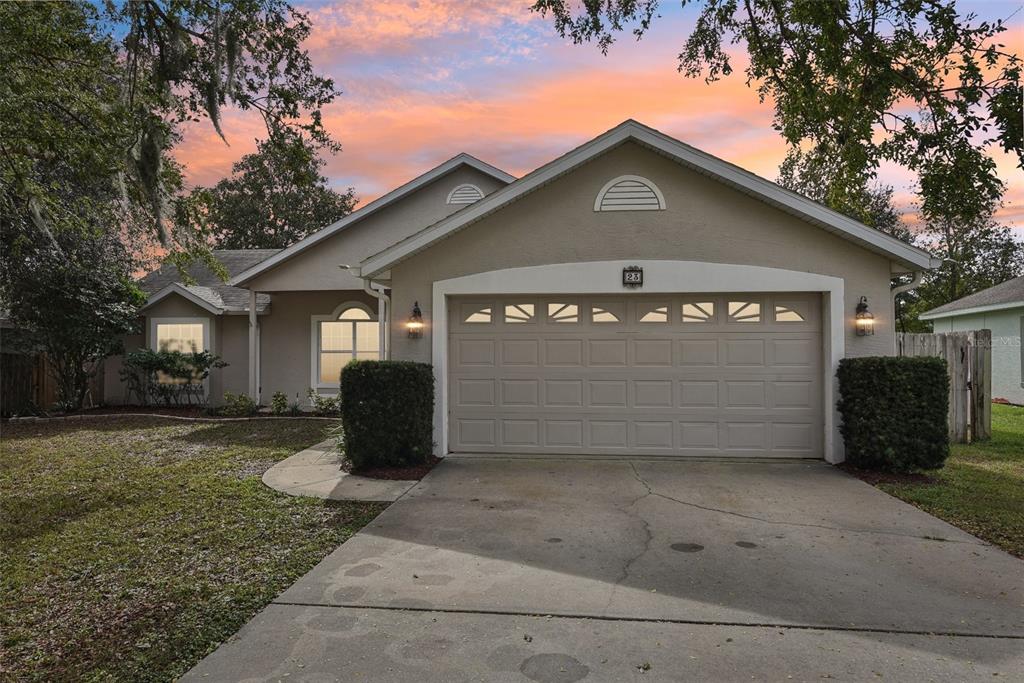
368,210
972,310
175,288
689,156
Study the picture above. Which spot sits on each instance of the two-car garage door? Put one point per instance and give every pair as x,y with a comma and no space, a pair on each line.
729,374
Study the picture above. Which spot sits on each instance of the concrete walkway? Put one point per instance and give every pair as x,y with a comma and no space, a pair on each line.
316,472
560,570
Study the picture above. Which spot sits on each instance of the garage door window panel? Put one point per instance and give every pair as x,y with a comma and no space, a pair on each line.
608,313
519,313
652,312
744,311
563,313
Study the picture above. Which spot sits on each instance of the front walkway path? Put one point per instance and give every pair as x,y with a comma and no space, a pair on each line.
316,472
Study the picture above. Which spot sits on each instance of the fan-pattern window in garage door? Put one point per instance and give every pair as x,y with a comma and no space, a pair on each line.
729,374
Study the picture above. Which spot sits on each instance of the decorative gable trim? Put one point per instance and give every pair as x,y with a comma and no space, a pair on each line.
175,288
629,193
373,207
770,193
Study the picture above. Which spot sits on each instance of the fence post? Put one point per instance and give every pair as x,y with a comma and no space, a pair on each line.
981,387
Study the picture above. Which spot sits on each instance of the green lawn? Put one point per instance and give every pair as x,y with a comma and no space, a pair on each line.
132,546
981,488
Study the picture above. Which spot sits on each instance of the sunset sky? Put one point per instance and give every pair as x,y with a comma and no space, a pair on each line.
423,81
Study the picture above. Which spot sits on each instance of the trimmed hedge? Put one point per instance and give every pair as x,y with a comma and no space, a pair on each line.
894,412
387,413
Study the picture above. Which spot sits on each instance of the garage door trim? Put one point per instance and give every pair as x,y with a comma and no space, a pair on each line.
661,276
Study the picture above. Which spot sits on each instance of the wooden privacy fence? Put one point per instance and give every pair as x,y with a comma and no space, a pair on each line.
969,356
26,385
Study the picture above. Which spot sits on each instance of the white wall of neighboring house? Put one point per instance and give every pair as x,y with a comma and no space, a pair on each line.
1006,326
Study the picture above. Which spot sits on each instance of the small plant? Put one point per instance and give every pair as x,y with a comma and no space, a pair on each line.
168,377
279,403
238,405
324,406
295,407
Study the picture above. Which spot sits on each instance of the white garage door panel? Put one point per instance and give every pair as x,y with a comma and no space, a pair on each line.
675,375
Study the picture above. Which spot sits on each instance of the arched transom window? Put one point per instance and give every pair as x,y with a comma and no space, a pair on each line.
351,332
629,193
465,194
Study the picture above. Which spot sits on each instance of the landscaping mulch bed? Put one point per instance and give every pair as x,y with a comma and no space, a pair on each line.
412,472
874,478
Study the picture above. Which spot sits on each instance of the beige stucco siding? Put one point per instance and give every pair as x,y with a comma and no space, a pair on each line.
285,338
229,339
704,221
317,268
1006,326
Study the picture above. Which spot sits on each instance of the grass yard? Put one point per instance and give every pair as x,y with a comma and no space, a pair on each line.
132,546
981,488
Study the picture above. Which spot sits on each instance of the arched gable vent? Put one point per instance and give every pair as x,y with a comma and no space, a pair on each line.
629,193
465,194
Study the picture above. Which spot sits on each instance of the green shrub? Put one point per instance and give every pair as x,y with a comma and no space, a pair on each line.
278,403
387,413
324,406
238,405
894,412
167,377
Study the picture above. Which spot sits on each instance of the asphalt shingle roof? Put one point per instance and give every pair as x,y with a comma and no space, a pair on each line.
1009,292
208,286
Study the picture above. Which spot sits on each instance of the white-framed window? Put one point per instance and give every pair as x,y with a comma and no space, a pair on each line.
186,335
350,332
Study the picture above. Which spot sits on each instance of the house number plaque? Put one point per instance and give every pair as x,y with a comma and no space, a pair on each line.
632,276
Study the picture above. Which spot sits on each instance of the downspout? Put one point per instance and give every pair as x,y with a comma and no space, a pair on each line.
896,291
383,308
383,314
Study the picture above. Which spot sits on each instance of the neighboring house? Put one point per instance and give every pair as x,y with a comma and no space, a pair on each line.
1001,310
634,296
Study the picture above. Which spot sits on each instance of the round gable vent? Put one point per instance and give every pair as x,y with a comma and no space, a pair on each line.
629,193
465,194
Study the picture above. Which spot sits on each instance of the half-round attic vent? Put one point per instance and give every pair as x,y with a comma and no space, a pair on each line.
629,193
465,194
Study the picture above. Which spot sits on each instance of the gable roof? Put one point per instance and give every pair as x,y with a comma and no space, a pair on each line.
632,131
373,207
209,291
1009,294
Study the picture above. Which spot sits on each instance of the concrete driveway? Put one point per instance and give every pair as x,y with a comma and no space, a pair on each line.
564,570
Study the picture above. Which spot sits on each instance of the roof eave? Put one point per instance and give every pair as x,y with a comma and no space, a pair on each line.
932,315
175,288
745,181
373,207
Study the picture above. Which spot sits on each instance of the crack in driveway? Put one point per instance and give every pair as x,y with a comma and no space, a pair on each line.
764,520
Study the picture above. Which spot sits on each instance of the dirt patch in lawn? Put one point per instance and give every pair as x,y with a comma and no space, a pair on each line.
410,472
875,478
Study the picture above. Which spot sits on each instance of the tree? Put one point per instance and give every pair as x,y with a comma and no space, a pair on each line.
856,83
91,100
871,205
104,91
273,198
74,301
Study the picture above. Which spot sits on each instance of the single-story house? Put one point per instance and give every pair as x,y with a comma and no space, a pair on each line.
1001,310
633,296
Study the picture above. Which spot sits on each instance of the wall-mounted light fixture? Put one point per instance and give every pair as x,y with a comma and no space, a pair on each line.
864,322
415,324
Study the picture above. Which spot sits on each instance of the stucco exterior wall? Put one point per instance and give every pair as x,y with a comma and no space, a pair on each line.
317,268
286,342
229,339
1007,326
704,221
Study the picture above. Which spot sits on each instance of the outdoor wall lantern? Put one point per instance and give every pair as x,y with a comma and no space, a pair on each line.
415,324
865,322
